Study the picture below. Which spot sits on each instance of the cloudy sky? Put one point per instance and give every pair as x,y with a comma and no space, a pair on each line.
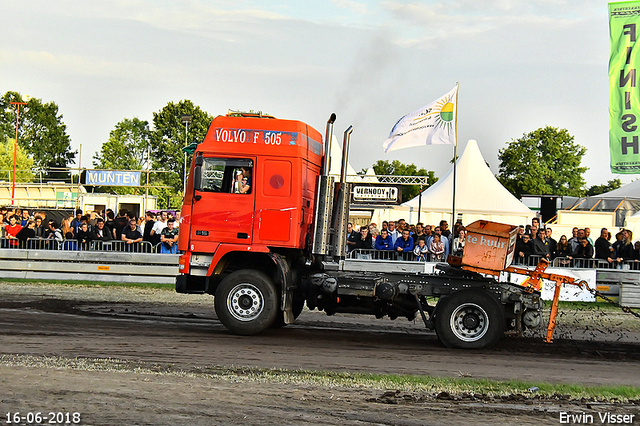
521,65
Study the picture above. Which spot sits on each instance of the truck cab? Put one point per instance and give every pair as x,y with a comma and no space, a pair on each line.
250,195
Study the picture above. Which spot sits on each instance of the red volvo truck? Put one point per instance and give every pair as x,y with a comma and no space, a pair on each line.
263,231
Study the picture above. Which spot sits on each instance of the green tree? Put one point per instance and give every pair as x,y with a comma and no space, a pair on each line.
601,189
24,164
42,134
546,161
396,168
126,149
168,139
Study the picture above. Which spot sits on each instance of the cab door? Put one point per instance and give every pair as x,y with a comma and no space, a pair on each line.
223,207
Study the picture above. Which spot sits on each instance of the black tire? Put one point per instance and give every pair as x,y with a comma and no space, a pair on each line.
246,302
469,319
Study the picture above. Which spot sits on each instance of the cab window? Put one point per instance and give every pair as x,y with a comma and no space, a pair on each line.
227,175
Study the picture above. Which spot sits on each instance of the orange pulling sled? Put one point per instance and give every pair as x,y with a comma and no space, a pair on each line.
489,249
534,281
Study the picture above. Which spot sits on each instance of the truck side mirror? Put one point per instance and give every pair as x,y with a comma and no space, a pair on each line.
197,173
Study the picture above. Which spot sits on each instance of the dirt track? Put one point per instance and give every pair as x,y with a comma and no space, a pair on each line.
179,335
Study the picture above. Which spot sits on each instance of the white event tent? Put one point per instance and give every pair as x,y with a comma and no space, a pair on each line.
479,195
624,202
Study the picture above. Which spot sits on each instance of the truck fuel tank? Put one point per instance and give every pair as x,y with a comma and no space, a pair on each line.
349,284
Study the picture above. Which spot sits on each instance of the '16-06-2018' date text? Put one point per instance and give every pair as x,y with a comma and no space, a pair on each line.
42,418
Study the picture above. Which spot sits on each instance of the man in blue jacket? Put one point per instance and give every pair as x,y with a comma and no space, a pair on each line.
383,241
404,244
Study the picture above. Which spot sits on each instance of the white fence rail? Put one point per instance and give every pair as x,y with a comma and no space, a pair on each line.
103,266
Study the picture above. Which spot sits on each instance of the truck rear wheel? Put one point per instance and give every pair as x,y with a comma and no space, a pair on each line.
469,319
246,302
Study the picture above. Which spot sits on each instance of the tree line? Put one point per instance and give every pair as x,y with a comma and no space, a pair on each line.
136,144
44,146
546,161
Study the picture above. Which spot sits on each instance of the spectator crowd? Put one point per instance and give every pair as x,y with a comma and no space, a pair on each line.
20,228
433,243
580,250
399,240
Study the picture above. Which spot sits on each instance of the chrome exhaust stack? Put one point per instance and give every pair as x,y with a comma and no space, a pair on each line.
341,204
324,199
327,144
345,155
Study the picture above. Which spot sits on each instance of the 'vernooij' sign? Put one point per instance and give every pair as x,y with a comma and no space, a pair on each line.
375,194
112,178
624,98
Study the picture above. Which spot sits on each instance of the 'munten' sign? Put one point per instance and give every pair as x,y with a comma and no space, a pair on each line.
112,178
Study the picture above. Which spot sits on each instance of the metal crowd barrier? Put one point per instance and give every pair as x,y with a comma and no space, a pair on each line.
527,260
563,262
371,254
566,262
115,245
75,245
530,261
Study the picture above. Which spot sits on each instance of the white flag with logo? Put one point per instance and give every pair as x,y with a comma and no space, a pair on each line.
430,125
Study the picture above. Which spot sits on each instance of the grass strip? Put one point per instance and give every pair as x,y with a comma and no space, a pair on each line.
433,386
452,386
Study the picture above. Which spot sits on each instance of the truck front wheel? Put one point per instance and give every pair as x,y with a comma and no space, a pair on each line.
469,319
246,302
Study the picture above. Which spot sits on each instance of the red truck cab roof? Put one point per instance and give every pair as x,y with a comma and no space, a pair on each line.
263,135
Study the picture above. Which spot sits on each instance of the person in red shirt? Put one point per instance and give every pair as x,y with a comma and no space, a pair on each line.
12,229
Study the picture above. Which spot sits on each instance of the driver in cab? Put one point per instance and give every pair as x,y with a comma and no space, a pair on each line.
243,181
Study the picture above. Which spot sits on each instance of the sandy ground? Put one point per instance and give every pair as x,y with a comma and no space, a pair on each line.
151,357
142,398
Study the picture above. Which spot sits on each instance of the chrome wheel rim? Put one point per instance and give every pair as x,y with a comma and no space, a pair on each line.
469,322
245,302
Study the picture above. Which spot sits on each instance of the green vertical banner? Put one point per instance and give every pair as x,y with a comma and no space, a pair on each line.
624,99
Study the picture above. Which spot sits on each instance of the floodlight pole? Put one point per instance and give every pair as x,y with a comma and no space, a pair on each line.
15,151
186,119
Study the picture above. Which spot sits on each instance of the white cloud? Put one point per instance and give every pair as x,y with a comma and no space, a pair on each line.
521,65
47,62
353,6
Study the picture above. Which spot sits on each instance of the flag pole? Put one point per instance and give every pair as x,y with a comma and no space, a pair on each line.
455,160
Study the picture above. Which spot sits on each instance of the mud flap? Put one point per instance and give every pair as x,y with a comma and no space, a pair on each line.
284,278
